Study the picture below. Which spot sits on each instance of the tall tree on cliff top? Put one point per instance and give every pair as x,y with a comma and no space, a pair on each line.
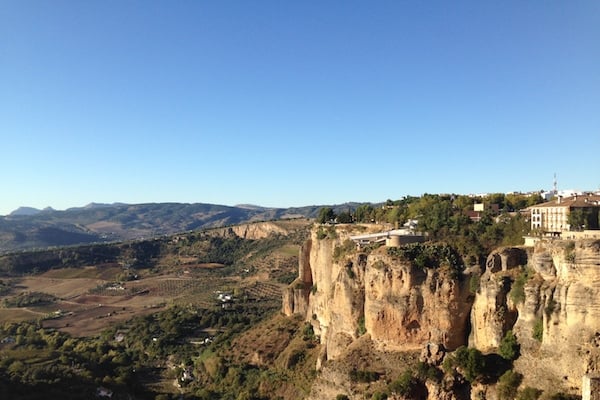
326,214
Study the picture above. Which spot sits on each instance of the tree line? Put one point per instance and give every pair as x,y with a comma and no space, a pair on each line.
445,218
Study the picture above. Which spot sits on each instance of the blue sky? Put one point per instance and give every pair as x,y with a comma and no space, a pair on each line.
294,103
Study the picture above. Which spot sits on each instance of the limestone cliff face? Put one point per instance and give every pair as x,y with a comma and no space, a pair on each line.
408,307
493,312
559,297
253,231
295,296
567,302
336,301
351,293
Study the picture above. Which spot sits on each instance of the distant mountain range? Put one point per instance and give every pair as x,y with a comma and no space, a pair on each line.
27,228
22,211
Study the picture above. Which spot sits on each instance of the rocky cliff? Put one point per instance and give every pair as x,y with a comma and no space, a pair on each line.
261,230
345,293
548,295
551,300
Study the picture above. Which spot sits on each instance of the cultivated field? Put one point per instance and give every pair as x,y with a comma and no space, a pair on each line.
85,306
83,301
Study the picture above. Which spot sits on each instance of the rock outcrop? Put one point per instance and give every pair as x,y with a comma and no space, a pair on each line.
549,296
401,306
254,231
493,312
295,296
564,298
407,307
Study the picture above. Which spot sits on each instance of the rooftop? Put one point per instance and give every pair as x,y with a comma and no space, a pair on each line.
574,201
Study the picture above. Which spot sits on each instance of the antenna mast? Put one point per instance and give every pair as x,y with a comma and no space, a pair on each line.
555,184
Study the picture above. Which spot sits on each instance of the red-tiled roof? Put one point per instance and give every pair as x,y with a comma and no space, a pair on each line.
575,201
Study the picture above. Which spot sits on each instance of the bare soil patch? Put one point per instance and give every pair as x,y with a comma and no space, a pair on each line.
89,321
207,265
103,271
81,312
62,288
17,314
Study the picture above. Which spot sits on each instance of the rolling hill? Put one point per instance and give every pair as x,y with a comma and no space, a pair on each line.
115,222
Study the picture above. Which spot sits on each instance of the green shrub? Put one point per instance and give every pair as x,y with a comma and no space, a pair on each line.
469,361
345,248
321,234
405,383
308,332
550,307
379,396
300,285
538,330
361,329
342,397
295,358
363,376
326,232
474,283
429,256
517,291
509,347
564,396
350,271
570,246
428,372
508,384
529,393
287,278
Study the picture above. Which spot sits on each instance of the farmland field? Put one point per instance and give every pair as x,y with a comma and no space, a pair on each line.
86,299
85,306
135,318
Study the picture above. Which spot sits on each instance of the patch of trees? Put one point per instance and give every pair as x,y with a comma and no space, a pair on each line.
445,218
469,361
467,366
28,299
584,218
326,214
326,233
142,254
33,262
5,287
39,363
438,205
233,249
429,256
43,363
363,376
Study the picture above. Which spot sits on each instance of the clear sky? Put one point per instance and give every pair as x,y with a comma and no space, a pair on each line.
283,103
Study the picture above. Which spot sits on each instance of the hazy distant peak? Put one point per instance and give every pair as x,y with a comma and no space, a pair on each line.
25,211
92,206
96,205
250,207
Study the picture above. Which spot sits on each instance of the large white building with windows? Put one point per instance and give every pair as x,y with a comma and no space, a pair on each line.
553,217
